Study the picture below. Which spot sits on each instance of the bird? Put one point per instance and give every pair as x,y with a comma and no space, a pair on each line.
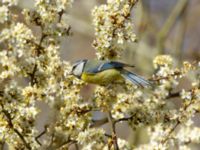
104,72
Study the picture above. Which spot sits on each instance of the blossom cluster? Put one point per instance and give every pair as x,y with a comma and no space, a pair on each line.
5,14
113,27
32,72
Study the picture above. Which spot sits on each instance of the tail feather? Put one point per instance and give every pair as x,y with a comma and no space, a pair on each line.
135,79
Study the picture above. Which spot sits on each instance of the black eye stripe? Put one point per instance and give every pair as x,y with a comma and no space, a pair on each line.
78,62
73,67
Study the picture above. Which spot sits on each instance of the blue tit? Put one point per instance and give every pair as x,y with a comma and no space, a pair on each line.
104,72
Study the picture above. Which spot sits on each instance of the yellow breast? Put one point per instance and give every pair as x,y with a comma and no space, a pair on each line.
102,78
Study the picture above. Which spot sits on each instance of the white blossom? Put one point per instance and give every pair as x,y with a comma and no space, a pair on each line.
186,95
4,13
10,2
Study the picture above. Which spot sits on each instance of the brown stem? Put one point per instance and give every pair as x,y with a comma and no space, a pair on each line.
60,15
32,75
113,129
124,119
40,135
170,132
172,95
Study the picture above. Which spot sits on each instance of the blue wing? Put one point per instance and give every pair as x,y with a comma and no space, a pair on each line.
105,65
135,79
98,66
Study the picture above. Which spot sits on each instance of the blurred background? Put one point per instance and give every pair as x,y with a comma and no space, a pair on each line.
162,27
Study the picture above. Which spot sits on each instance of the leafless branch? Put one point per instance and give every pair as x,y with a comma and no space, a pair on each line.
113,129
124,119
40,135
60,15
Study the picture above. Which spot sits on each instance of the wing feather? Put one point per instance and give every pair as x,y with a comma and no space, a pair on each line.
105,65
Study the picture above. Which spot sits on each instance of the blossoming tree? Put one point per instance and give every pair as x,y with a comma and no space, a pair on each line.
31,71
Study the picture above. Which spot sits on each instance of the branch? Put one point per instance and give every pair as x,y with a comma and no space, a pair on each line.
124,119
108,135
172,95
170,132
41,134
32,75
113,129
11,125
60,15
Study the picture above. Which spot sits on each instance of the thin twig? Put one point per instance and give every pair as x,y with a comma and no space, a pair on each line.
32,75
124,119
40,135
60,15
170,132
108,135
173,95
